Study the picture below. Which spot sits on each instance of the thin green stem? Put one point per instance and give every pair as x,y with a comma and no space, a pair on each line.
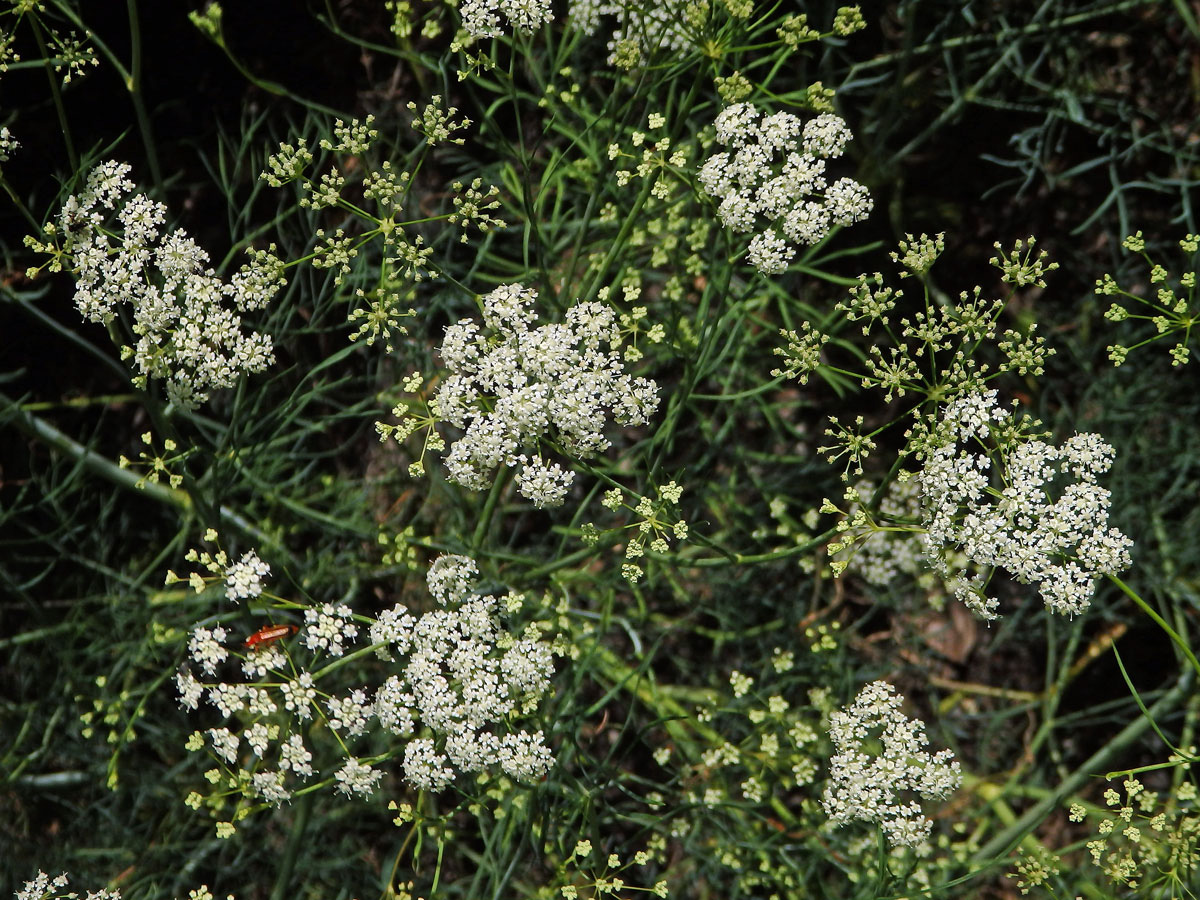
437,871
999,846
55,93
133,83
489,509
1159,621
283,876
744,559
20,206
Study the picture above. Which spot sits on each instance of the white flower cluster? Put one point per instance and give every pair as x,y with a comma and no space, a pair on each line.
642,29
8,144
462,680
329,628
883,787
357,778
481,18
206,647
772,181
243,580
463,674
187,334
510,384
43,887
1060,545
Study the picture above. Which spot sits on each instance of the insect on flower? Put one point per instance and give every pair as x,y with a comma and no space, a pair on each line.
269,634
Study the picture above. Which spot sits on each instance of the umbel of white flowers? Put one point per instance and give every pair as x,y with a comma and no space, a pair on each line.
772,181
1061,545
884,786
459,684
639,29
482,18
511,384
187,320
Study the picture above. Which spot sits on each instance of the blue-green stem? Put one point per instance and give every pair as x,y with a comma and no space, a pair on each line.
41,430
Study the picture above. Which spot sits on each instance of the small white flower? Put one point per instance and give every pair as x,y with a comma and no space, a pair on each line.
259,702
524,757
393,706
349,713
826,136
190,690
263,659
41,885
228,698
424,767
392,627
847,202
357,778
8,145
451,577
295,757
298,695
737,125
546,484
770,254
269,786
225,744
258,738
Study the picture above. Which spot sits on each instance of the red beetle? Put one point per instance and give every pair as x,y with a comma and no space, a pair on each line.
268,634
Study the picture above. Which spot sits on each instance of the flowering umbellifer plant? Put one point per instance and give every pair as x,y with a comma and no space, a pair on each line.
513,388
884,787
1061,545
774,173
454,685
441,163
186,331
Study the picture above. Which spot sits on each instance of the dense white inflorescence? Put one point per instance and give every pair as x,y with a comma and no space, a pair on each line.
463,674
884,786
641,29
482,18
187,320
511,384
460,681
771,180
1006,517
243,580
